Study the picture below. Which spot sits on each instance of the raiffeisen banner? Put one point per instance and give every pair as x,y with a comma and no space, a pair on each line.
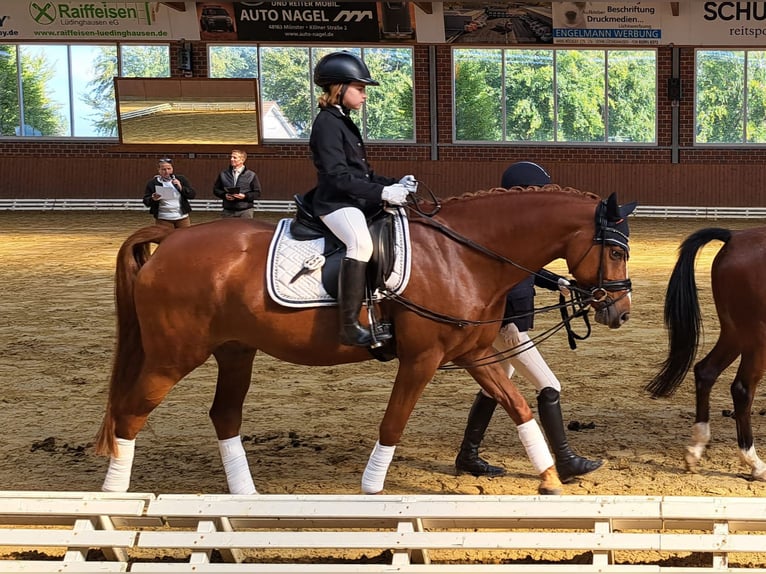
98,21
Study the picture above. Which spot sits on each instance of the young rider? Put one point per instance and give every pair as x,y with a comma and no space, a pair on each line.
347,189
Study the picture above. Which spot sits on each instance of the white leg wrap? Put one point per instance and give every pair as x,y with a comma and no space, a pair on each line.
534,443
120,466
756,465
377,467
235,464
700,440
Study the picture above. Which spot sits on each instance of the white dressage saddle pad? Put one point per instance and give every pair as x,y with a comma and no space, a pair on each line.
288,256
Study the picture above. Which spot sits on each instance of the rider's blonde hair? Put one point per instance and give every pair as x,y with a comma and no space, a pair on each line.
331,96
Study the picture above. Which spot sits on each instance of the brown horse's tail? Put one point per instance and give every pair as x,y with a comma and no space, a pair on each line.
129,351
682,313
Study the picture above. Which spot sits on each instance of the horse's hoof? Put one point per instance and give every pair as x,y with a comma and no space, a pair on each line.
548,491
549,482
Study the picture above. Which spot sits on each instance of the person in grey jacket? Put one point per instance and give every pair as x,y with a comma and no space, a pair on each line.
238,187
347,190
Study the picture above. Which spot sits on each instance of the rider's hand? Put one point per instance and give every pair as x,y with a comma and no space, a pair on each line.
564,285
410,183
395,194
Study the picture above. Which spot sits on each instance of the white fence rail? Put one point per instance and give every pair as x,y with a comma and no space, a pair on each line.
410,531
287,206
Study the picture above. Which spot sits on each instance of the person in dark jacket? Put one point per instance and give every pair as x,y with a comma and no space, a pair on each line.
167,196
237,186
347,190
519,315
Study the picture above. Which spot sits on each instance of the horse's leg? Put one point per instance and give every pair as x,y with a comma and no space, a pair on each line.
493,380
132,407
706,372
235,367
411,378
749,374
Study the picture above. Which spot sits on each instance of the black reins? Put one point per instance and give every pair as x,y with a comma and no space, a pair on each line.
579,301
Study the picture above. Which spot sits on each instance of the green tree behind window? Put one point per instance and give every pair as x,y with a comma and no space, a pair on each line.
631,88
580,90
720,96
756,97
41,115
137,62
478,95
529,95
389,109
285,80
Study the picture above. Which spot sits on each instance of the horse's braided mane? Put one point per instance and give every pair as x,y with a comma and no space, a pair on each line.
551,187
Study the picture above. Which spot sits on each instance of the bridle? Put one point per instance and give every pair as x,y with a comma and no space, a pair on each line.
607,233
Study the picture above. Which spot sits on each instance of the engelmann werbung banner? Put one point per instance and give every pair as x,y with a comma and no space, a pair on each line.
69,21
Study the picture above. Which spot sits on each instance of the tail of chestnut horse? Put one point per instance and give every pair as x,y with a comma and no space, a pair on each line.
682,313
129,352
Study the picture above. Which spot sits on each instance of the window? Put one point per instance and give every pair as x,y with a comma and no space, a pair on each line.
555,95
288,94
730,97
68,90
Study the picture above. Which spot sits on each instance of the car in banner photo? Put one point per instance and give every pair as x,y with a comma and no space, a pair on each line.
215,18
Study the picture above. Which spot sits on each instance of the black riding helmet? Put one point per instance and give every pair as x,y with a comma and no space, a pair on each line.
523,174
342,68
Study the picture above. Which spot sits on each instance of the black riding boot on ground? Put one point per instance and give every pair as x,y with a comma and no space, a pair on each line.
351,286
468,459
568,464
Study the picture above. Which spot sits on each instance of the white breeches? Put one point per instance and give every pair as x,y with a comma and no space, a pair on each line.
350,226
529,363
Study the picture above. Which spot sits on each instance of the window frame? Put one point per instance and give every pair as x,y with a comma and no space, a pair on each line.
314,53
556,140
71,91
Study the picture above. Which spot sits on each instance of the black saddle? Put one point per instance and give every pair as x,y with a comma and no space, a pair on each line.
308,226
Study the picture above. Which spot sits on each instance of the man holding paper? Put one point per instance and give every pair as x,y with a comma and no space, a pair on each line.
167,196
237,186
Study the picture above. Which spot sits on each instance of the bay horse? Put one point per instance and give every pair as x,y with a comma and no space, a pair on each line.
738,281
203,291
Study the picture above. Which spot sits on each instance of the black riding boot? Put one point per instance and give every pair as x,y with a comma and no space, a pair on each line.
468,459
351,285
568,464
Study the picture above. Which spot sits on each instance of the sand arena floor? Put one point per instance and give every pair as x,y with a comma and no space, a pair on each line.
310,430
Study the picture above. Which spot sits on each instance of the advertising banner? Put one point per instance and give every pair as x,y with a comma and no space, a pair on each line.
635,23
292,21
98,21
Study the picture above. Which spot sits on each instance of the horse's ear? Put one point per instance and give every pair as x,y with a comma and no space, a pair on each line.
615,212
628,208
612,208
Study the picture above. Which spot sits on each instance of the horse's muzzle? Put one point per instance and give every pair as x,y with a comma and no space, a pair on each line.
613,312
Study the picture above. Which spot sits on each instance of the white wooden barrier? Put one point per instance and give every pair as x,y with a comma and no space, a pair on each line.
249,530
75,204
74,522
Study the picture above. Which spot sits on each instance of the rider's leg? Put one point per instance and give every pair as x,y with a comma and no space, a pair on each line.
531,365
349,225
468,459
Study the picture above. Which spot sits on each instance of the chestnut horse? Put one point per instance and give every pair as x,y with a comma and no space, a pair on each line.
738,280
192,298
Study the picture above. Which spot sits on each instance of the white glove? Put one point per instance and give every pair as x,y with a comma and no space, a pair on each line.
564,286
395,194
410,183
